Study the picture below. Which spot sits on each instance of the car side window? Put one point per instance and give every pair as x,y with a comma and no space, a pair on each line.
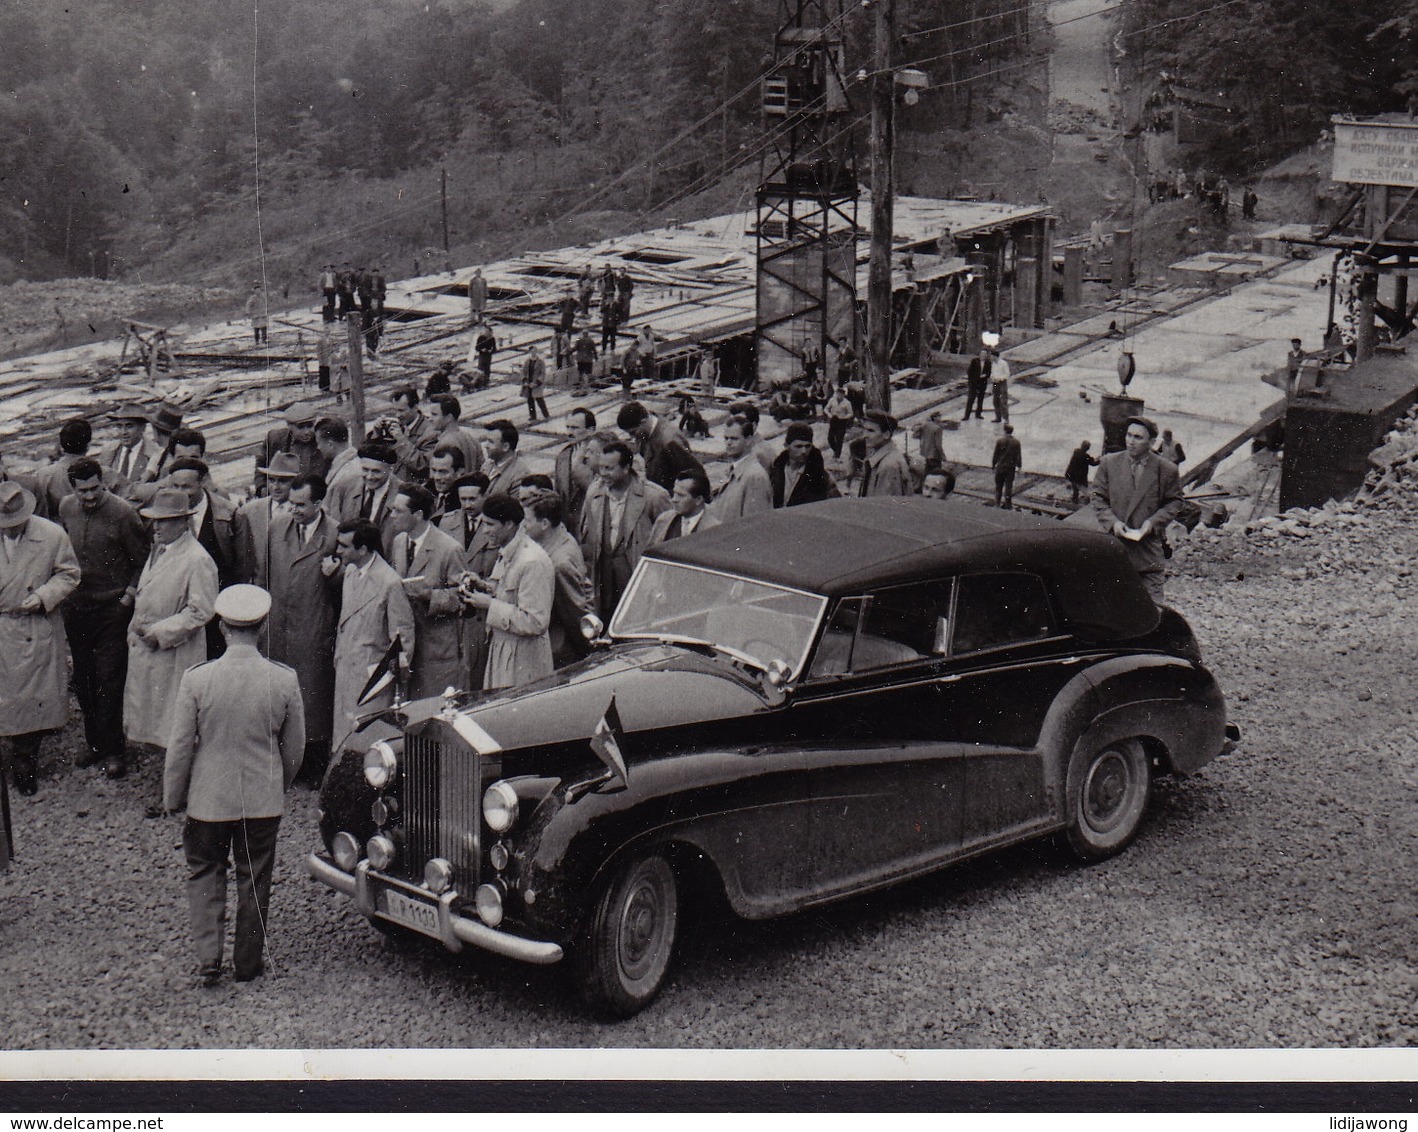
834,651
903,624
992,610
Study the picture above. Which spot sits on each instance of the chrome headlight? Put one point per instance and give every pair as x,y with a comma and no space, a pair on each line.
345,849
488,901
438,876
500,807
380,851
498,857
380,765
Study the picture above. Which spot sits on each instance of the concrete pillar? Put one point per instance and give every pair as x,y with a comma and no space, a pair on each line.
1026,291
1073,276
1122,258
1368,288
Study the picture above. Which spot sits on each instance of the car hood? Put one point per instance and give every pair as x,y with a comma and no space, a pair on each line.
655,686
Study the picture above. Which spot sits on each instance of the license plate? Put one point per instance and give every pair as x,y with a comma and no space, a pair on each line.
410,913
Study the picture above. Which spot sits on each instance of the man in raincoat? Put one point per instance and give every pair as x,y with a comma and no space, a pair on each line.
176,592
38,570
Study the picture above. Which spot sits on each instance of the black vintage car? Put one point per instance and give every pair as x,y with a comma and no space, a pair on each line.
795,708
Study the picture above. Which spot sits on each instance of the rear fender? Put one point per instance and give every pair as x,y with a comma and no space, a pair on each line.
1172,702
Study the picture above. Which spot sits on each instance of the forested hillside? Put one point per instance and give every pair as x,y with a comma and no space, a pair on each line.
132,131
1272,72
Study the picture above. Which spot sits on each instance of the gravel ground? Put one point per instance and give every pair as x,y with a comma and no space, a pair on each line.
1269,901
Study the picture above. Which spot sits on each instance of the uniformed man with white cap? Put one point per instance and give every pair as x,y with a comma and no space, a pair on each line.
238,737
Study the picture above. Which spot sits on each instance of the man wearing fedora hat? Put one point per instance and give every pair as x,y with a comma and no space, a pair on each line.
128,457
38,570
1136,494
296,436
173,604
166,419
251,524
236,742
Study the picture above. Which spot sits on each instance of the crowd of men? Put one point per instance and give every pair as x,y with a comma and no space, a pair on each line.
431,549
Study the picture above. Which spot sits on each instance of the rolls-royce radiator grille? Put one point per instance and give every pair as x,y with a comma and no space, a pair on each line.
442,808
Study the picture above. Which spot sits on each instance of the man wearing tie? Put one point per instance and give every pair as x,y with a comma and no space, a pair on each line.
305,609
465,526
377,461
373,614
127,458
621,508
430,562
688,509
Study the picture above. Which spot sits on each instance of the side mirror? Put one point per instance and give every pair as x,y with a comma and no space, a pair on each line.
774,681
591,626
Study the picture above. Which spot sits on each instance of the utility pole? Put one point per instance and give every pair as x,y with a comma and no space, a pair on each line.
354,324
443,191
883,129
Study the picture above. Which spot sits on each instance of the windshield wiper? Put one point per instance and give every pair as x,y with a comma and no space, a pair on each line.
677,639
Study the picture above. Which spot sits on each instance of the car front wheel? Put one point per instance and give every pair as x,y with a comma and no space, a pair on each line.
1107,796
626,948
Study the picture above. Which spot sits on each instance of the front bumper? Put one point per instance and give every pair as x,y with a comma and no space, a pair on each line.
453,929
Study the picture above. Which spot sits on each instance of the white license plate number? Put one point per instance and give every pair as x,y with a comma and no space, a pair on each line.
410,913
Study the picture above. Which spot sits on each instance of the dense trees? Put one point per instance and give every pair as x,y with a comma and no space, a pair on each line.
127,121
1277,69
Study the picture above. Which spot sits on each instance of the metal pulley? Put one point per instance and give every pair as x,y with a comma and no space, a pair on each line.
1127,367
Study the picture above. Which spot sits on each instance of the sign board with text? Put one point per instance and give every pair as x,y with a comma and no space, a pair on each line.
1376,153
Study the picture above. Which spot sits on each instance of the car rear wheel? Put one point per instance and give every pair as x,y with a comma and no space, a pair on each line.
1108,791
629,938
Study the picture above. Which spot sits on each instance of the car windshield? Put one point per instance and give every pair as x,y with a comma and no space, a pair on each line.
762,621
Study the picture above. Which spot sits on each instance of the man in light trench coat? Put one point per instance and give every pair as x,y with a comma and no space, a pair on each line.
373,614
38,570
166,637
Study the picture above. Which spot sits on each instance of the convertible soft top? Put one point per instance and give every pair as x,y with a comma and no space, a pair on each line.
848,546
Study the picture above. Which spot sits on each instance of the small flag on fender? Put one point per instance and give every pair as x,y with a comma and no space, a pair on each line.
383,674
605,741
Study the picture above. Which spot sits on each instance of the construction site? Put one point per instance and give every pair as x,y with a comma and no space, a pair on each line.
741,304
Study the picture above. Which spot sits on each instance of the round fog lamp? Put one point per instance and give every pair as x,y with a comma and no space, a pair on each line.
498,856
380,765
438,876
380,851
500,806
384,810
345,850
489,904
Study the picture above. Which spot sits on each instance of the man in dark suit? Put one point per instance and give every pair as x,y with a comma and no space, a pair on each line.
664,449
1136,494
1007,459
238,736
977,380
689,509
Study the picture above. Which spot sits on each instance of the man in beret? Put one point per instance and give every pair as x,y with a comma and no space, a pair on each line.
236,742
1136,494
